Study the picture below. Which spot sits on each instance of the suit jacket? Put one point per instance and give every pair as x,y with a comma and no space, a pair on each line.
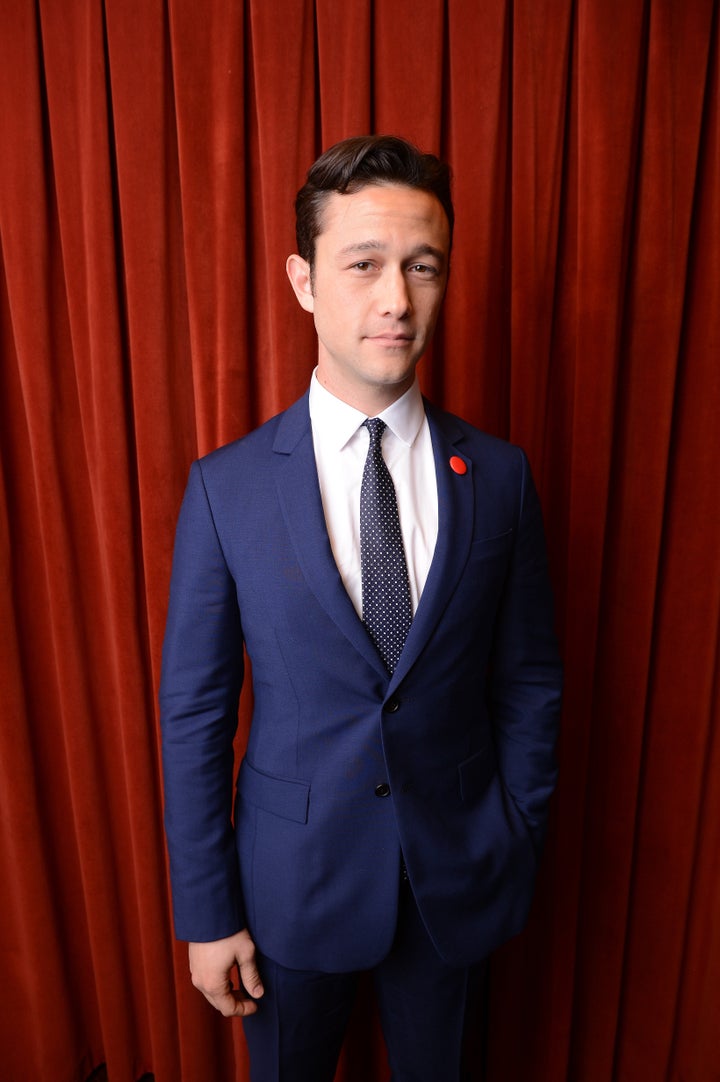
448,763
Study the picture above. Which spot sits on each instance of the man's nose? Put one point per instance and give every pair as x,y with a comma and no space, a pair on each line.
394,295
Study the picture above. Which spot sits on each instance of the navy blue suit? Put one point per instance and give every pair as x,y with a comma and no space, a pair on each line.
447,765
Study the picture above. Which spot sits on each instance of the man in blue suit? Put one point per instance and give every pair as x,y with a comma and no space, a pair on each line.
391,804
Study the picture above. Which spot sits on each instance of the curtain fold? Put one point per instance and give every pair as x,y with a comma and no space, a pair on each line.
150,151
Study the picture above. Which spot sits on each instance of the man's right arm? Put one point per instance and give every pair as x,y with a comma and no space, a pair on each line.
201,679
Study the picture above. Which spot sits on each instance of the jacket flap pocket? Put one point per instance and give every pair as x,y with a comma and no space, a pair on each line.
282,796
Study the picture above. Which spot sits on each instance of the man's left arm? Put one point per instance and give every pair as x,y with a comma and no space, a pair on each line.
526,672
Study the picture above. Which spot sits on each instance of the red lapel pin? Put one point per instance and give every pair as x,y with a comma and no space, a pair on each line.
458,465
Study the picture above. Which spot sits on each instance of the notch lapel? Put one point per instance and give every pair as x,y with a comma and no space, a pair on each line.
456,514
301,504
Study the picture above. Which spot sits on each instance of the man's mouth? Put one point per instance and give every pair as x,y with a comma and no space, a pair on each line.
391,339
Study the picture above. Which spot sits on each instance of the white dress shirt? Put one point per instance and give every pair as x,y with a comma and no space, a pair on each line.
341,446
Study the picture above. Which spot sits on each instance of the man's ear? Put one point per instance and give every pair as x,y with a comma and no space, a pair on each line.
298,271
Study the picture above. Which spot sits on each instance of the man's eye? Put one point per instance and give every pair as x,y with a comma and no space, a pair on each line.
423,268
362,265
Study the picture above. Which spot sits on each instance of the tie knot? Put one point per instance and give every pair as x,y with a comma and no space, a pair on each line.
375,427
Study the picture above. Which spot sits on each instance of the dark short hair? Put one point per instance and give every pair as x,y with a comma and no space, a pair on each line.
355,163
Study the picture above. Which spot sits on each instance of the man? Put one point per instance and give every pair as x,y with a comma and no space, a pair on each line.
392,801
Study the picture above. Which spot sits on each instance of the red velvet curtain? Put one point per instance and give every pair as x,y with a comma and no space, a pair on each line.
149,156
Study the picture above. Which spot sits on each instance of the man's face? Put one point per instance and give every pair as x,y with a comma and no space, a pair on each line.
381,265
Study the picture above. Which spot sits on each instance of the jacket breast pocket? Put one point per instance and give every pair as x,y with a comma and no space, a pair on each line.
486,568
286,797
486,547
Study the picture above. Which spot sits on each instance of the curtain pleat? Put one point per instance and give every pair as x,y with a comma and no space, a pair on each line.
150,152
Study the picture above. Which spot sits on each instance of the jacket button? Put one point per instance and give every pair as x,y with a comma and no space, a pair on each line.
392,706
382,789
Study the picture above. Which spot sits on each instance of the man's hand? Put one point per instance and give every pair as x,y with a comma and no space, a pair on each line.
211,965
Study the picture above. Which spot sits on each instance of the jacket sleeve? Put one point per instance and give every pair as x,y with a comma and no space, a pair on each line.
202,672
526,673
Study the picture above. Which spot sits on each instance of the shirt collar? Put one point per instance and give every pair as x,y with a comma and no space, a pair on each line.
339,422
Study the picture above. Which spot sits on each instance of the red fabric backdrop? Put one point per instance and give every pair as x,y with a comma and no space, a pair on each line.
149,156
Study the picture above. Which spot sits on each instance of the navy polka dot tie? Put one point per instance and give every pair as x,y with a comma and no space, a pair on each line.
386,603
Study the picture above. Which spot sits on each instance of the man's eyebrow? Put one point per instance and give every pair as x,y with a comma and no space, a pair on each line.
378,246
362,246
429,249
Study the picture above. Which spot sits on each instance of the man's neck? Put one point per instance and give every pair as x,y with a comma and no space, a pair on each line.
369,399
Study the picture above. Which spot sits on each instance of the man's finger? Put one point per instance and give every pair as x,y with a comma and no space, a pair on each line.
231,1004
250,979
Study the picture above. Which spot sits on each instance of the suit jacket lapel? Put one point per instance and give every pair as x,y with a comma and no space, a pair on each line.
301,503
456,513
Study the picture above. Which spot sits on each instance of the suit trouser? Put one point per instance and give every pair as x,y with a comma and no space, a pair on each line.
297,1033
